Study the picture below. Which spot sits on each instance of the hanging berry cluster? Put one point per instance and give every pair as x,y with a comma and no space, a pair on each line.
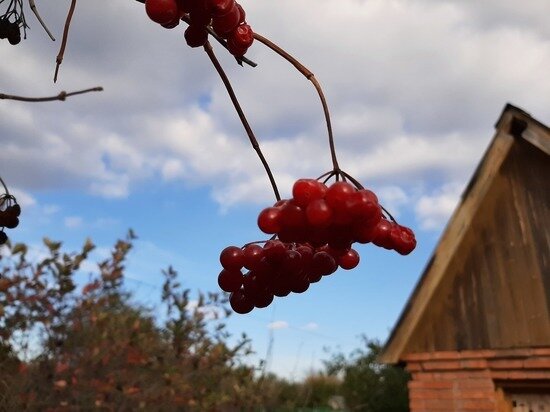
315,231
9,215
12,21
226,18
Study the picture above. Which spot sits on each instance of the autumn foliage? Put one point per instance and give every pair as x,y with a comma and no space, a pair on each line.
68,348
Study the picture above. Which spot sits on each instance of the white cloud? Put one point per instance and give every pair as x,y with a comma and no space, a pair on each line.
278,324
414,88
311,326
73,222
433,210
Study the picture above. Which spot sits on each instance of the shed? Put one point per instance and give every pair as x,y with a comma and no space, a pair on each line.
475,332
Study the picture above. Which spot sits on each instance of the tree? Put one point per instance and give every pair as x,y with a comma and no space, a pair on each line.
367,384
64,349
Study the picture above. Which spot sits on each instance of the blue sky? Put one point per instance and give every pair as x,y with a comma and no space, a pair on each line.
414,88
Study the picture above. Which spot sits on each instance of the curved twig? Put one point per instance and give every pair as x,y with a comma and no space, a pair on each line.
59,58
61,96
35,11
244,121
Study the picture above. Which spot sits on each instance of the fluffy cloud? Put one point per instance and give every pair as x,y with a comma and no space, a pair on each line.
434,209
278,324
414,88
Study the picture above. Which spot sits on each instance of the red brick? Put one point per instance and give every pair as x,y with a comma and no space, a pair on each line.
430,384
537,363
473,364
513,353
477,405
414,367
475,394
541,351
476,354
439,404
460,375
427,394
475,383
441,365
417,405
506,364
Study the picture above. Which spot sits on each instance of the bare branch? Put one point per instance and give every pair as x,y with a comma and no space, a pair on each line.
35,11
62,96
59,58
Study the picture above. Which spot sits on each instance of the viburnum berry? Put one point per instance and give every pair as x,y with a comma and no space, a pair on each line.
305,191
162,11
338,194
230,280
241,303
269,220
349,259
382,236
221,7
196,35
253,254
224,24
232,258
403,239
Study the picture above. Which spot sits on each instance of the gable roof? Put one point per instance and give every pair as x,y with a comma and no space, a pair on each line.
513,124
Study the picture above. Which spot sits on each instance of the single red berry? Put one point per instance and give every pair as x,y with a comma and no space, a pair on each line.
221,7
382,236
241,303
338,194
234,49
269,220
304,191
263,299
364,232
403,239
299,283
252,255
281,285
224,24
232,258
162,11
323,264
318,213
230,280
306,253
171,24
292,216
292,262
274,251
363,205
196,35
349,260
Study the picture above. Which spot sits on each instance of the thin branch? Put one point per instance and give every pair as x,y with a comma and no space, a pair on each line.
5,188
59,58
35,11
61,96
242,117
311,77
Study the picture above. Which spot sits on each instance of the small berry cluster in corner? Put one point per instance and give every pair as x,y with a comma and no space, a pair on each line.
226,18
9,215
11,22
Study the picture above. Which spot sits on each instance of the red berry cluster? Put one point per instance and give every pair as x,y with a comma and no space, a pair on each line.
337,216
9,215
276,269
316,229
226,18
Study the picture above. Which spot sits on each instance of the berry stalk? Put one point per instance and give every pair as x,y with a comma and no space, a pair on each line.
210,52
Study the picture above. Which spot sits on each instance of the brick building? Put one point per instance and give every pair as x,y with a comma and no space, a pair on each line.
475,333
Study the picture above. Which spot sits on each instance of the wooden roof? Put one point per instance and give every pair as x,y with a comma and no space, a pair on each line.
513,127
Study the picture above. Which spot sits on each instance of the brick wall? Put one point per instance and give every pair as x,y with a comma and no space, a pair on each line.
470,380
